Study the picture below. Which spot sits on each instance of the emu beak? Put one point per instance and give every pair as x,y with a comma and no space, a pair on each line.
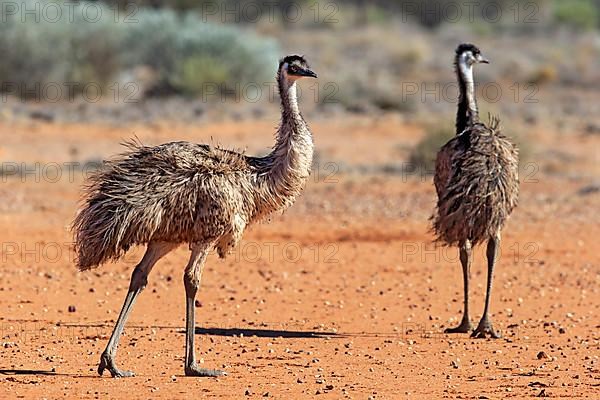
307,72
482,59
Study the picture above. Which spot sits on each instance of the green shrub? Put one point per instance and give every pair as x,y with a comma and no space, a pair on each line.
518,136
386,100
68,50
579,14
193,73
422,156
183,51
352,93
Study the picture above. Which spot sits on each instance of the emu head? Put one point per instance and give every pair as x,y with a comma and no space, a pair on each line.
468,54
294,67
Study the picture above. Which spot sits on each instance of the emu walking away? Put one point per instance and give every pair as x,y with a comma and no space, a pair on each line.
476,180
189,193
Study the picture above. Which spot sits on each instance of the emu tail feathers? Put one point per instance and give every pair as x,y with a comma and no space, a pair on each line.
98,235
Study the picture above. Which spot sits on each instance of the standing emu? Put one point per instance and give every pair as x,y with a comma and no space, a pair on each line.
189,193
477,186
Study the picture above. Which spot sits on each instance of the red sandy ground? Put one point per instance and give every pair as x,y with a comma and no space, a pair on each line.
343,296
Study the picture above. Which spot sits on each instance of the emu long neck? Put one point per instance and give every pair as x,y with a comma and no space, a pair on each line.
291,158
467,113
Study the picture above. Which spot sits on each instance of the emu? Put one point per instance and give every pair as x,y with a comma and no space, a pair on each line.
477,184
196,194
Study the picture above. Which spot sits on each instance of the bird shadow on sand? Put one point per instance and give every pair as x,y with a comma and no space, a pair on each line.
105,328
38,372
267,333
27,372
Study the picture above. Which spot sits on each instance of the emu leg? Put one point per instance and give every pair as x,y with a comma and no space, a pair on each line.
139,279
191,280
465,260
485,325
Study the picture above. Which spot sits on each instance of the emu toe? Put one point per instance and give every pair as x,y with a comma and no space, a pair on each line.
485,329
107,362
194,370
464,327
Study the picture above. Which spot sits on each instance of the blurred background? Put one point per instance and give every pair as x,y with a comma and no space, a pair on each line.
199,60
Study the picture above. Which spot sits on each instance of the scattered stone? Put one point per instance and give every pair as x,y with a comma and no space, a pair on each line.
40,115
592,128
72,309
541,355
537,384
589,189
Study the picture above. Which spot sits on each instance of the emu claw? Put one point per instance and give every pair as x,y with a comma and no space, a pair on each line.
106,362
483,330
464,327
194,370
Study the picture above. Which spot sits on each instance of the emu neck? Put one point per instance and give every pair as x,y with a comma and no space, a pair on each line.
291,158
467,113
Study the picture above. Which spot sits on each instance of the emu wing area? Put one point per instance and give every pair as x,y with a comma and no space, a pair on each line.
477,185
176,192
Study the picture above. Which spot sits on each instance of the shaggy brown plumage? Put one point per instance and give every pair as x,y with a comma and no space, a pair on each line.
477,184
196,194
173,192
476,180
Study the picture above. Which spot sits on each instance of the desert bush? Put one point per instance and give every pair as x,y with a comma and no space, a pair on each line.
183,51
579,14
388,100
193,53
519,137
64,51
353,93
193,73
544,74
422,156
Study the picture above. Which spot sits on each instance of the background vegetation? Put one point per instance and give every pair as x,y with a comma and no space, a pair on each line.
373,57
181,52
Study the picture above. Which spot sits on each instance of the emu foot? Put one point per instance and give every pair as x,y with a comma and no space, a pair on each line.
464,327
194,370
107,362
485,329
